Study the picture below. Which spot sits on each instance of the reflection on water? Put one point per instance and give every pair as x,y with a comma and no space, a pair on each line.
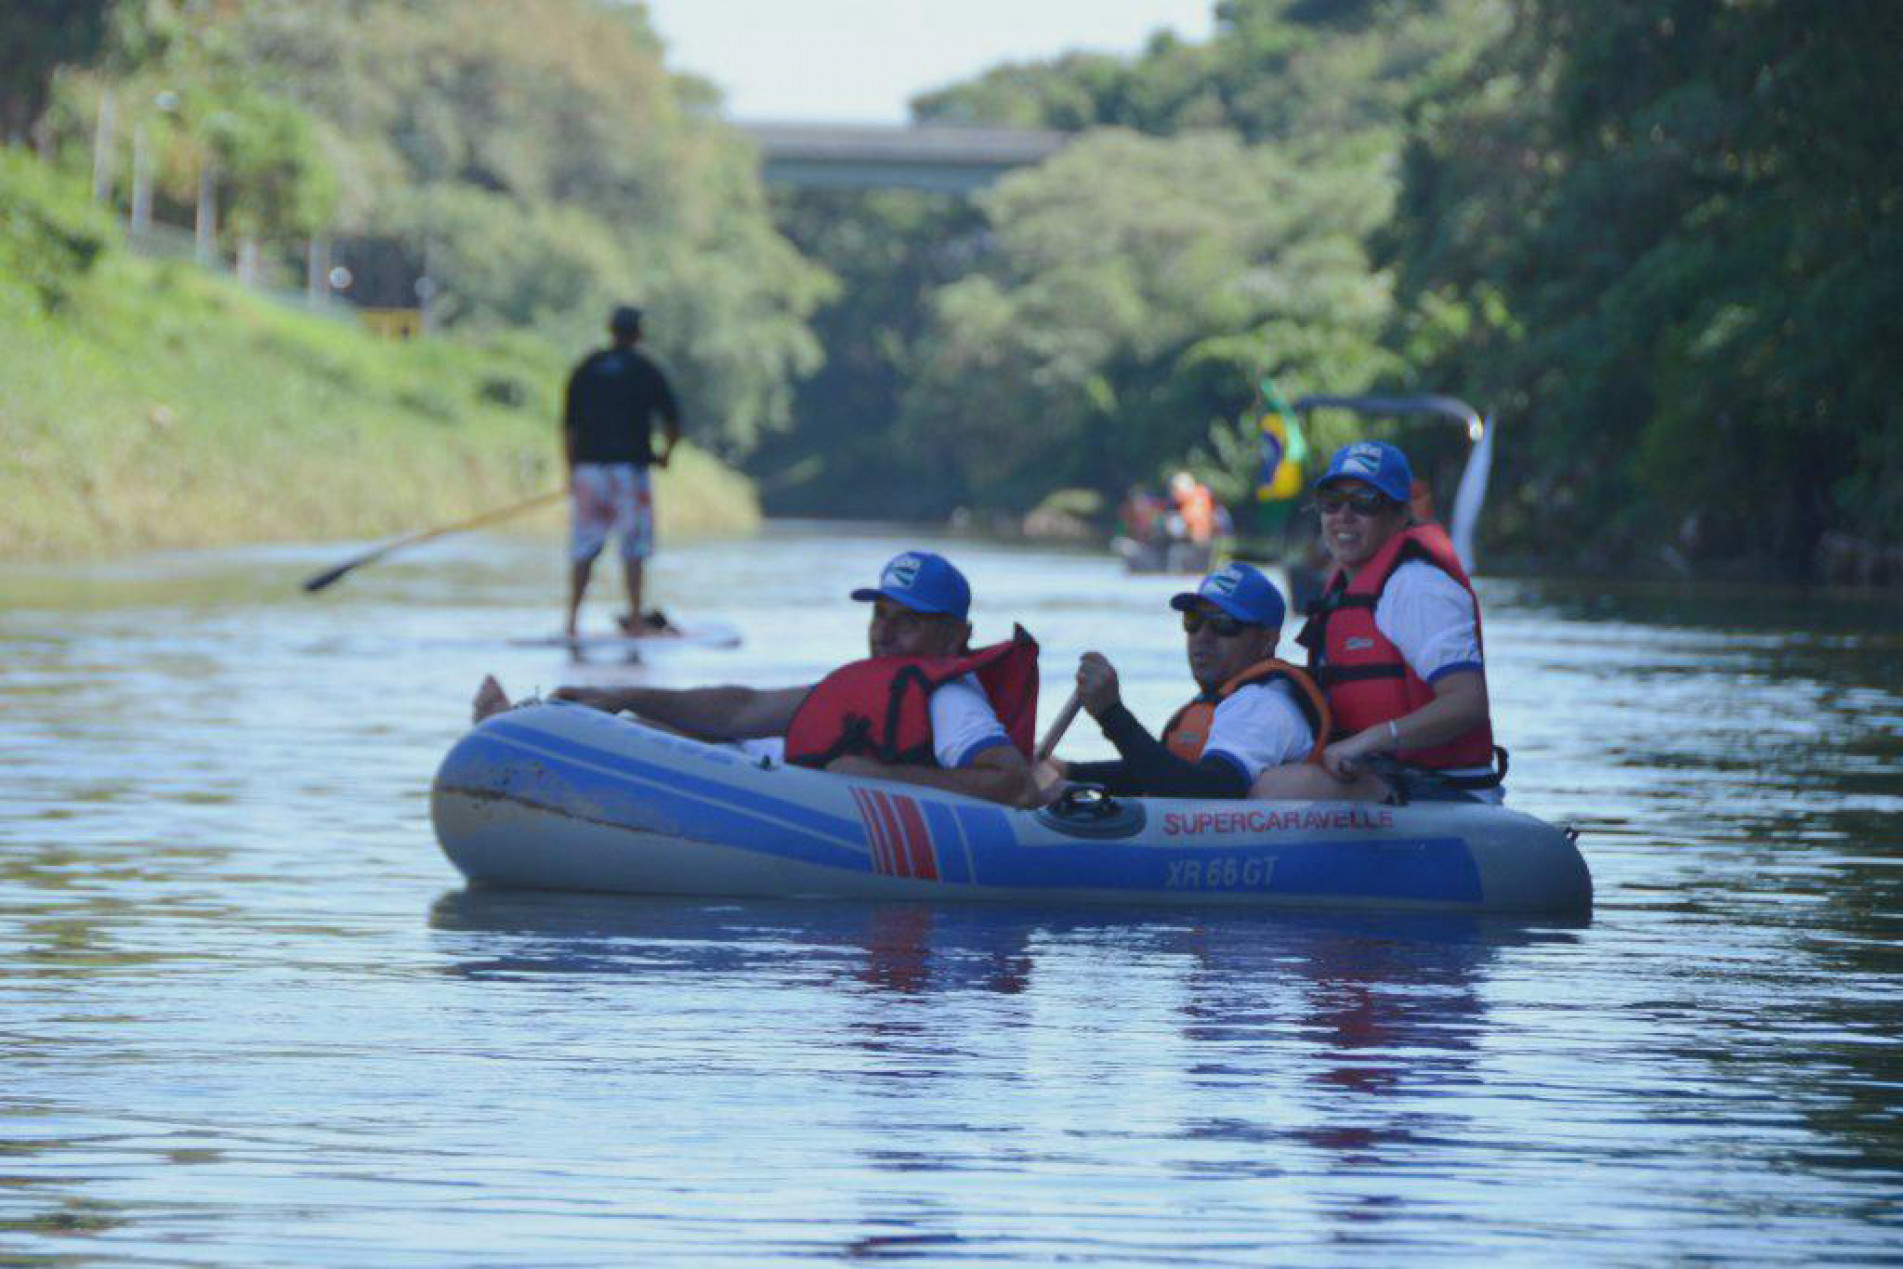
250,1017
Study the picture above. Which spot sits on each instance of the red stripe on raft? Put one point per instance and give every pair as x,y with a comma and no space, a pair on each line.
918,838
875,837
901,865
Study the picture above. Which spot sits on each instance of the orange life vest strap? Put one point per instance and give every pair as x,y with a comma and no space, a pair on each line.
1187,732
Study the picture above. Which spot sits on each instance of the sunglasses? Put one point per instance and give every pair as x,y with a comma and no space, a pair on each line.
907,619
1366,505
1220,624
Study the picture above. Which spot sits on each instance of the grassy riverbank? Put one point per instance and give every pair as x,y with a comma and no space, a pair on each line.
147,404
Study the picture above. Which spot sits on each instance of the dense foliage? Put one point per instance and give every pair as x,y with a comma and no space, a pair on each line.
1113,310
1133,288
148,403
535,157
37,39
1659,238
891,250
1665,239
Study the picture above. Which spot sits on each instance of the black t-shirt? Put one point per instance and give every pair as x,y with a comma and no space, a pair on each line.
613,396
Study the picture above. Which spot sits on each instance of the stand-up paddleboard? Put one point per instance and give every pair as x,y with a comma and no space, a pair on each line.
708,634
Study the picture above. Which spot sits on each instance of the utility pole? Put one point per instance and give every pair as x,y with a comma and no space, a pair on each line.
205,226
141,219
141,216
102,148
317,269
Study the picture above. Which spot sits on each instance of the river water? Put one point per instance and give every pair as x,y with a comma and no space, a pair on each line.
250,1015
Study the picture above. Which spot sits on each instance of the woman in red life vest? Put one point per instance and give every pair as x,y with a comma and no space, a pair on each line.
923,708
1395,644
1251,714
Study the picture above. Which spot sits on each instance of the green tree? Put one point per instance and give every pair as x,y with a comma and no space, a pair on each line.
889,251
541,155
1665,235
1136,289
37,39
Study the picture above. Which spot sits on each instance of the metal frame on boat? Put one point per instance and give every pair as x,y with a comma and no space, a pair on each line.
560,797
1472,491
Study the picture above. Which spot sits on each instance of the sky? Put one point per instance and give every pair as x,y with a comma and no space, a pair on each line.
859,61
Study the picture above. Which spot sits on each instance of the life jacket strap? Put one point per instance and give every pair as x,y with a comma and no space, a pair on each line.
1462,783
1326,676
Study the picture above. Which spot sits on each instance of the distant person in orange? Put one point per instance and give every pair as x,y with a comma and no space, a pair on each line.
1195,507
613,398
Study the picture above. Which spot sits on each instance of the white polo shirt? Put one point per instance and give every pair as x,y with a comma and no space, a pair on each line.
1435,623
963,726
1431,618
1259,727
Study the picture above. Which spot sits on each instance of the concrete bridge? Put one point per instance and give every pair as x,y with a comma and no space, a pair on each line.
869,156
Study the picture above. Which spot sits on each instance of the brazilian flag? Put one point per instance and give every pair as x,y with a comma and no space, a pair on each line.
1279,479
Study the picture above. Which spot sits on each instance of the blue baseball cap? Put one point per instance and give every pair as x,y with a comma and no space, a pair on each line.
923,582
1241,591
1376,462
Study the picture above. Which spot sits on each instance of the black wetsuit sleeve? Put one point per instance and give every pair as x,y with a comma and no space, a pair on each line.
1114,776
1147,767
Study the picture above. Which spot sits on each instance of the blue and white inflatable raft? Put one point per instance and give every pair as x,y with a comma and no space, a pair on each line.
560,797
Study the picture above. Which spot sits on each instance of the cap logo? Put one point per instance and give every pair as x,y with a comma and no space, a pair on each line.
1223,582
1365,459
902,572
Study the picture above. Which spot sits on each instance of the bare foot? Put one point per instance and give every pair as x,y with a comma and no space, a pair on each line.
490,699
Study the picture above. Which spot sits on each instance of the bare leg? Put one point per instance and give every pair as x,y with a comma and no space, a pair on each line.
1306,782
631,572
578,574
490,699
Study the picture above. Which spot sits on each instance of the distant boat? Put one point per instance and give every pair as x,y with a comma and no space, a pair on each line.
1171,556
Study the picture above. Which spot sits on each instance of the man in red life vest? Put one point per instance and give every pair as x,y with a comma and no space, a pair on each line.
1395,644
923,708
1252,713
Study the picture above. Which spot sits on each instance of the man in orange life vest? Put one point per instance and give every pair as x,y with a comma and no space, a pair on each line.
923,709
1395,645
1252,714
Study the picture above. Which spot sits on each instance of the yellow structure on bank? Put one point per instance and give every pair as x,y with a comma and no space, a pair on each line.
393,323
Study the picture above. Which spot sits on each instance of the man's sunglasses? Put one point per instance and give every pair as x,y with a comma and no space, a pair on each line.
906,618
1220,624
1362,504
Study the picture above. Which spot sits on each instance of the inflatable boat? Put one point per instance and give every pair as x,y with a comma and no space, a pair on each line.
553,796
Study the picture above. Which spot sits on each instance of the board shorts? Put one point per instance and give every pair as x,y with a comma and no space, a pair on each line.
610,498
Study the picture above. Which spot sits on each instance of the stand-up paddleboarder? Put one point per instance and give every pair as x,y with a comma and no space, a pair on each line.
613,396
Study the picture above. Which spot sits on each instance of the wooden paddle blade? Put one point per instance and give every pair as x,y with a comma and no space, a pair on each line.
1058,727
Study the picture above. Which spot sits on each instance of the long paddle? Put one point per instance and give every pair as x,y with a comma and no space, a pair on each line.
1058,727
331,575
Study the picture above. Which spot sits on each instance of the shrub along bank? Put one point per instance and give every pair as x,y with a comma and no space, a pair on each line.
145,404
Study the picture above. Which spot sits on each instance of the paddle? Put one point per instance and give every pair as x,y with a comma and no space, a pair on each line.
1058,727
330,575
